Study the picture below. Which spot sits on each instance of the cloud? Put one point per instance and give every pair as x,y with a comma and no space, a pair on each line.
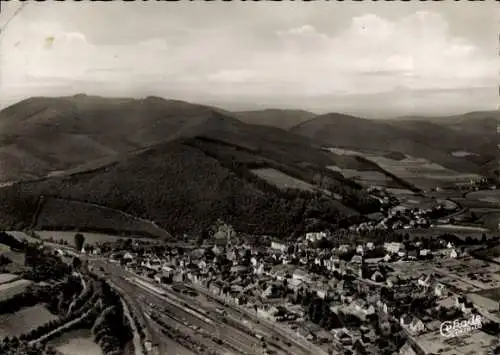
232,76
370,55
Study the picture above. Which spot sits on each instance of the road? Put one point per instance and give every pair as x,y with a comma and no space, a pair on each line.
199,318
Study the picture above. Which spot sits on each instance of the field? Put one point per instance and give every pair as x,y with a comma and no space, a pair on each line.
6,278
364,177
90,238
490,196
56,213
418,171
22,236
413,201
491,220
398,192
11,289
462,153
492,254
282,180
24,320
76,342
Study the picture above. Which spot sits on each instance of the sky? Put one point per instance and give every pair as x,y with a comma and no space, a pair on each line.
375,59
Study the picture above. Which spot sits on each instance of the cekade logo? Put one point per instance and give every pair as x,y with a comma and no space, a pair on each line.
456,328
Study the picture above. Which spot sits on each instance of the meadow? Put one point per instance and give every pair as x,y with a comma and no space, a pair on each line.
364,177
489,196
6,278
282,180
420,172
56,213
24,320
76,342
417,171
90,238
10,289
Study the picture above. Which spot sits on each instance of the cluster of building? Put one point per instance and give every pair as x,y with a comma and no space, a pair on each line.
349,298
403,217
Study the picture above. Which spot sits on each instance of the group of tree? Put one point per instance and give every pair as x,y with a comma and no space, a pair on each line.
14,346
221,187
43,265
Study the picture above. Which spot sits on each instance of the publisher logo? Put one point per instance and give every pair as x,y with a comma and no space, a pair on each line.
450,329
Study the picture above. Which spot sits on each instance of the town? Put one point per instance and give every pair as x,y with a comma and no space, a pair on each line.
358,298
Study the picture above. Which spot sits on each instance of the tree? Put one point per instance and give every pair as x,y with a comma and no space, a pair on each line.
79,241
76,263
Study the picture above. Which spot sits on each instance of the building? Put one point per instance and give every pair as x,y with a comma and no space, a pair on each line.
278,246
301,275
440,290
393,247
315,236
413,325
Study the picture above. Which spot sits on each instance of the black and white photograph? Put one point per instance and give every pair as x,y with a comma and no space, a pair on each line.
249,177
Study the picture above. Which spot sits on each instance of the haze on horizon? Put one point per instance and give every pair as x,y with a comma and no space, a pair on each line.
371,58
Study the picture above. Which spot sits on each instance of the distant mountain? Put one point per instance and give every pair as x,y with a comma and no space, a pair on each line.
178,164
424,138
42,135
284,119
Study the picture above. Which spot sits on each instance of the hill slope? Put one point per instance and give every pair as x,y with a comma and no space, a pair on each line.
178,164
284,119
42,135
418,138
182,188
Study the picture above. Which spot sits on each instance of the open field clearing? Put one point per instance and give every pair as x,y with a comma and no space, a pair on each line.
491,220
60,214
13,288
417,171
364,177
454,228
413,201
24,320
15,256
282,180
436,232
490,196
76,342
492,254
342,151
90,238
22,236
462,153
420,172
400,192
476,204
6,278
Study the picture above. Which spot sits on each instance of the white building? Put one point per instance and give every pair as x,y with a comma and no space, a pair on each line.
315,236
393,247
278,246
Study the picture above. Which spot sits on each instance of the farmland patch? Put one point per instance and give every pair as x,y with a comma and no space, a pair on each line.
282,180
490,196
9,290
24,320
90,238
76,342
